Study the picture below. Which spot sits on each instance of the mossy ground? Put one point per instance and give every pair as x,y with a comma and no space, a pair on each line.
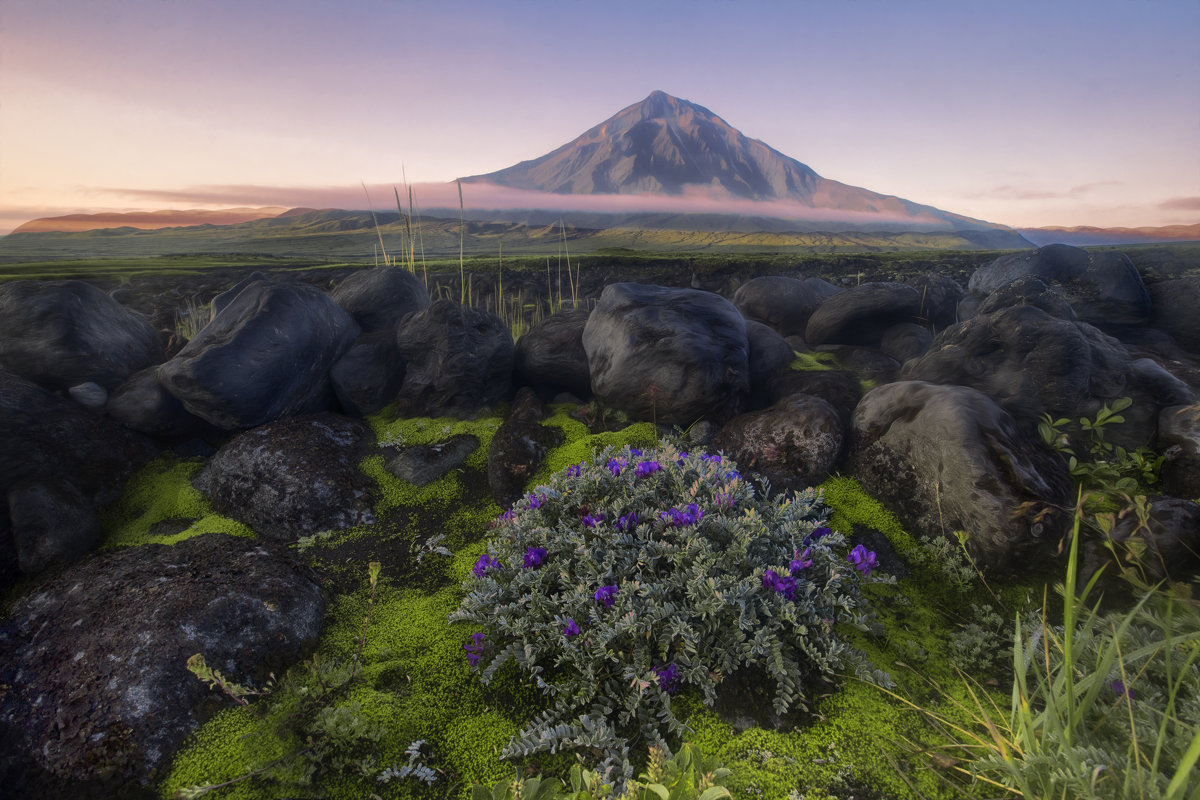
415,683
160,506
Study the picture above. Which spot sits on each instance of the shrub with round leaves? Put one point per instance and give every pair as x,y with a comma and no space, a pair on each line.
638,575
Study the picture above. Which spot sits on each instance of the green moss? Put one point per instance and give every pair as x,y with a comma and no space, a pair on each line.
814,362
233,743
473,744
162,491
580,445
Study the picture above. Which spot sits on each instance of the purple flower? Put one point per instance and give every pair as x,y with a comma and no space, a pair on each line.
732,476
800,561
615,465
668,678
724,500
780,584
536,500
591,519
574,472
485,563
534,556
818,533
645,468
628,522
605,594
862,559
677,518
681,459
1121,690
710,459
508,515
570,629
633,451
474,648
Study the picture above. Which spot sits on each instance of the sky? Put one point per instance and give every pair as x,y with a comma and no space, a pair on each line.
1052,112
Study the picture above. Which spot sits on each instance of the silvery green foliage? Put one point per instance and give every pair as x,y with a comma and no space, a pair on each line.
639,574
415,767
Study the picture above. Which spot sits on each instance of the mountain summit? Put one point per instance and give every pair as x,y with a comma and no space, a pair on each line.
659,146
668,146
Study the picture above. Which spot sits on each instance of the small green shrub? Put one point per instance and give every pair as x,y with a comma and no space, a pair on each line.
635,575
1106,469
686,776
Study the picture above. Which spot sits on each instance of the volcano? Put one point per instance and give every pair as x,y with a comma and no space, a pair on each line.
673,148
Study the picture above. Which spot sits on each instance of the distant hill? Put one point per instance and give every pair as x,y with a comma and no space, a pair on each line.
671,147
1082,236
146,220
337,235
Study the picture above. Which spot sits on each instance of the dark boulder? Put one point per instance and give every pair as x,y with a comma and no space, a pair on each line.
905,341
226,297
422,464
62,334
142,404
1175,310
380,298
948,458
1179,443
265,356
94,659
869,364
518,448
768,353
793,444
550,358
1103,288
90,395
940,295
46,438
1171,536
367,376
459,361
292,478
860,315
840,388
669,355
784,304
1029,290
52,523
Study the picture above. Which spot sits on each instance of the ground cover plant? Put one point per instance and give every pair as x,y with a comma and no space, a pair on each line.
638,574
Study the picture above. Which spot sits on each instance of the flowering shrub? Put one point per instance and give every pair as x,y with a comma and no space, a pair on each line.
658,572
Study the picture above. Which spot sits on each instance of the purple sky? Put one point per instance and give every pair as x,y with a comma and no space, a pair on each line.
1022,113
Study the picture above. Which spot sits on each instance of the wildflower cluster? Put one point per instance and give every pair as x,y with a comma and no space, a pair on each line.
638,575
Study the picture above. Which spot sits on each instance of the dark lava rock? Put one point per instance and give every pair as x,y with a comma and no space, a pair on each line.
459,361
550,357
292,478
62,334
1171,536
90,395
51,523
381,297
905,341
840,388
1175,310
1103,288
1179,443
46,438
423,464
265,356
1028,290
668,355
784,304
367,376
769,353
220,301
940,295
793,444
867,363
860,315
948,458
94,660
518,448
142,404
